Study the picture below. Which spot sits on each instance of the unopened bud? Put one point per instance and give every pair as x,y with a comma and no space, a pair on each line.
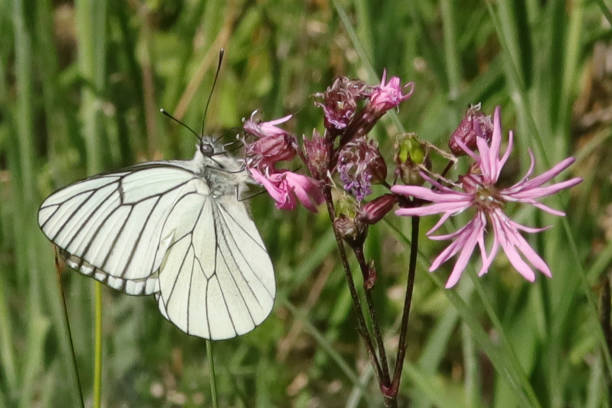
473,125
351,230
316,150
410,153
370,278
375,210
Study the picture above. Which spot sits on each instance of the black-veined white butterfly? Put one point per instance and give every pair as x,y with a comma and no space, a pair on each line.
175,229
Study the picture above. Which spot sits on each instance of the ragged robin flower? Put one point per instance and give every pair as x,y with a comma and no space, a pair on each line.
480,191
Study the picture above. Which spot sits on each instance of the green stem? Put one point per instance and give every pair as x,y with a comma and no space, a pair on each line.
212,377
69,331
97,385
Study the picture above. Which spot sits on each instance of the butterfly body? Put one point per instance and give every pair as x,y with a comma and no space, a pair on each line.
175,229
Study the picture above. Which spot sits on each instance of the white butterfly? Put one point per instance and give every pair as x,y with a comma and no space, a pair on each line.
174,229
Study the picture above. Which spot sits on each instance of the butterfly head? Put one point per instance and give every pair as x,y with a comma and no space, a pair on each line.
206,148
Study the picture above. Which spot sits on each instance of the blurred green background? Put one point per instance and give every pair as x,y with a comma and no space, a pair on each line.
80,88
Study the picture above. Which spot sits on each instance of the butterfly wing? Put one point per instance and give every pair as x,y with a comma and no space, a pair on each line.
110,226
217,280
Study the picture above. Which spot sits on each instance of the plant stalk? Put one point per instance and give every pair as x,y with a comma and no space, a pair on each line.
361,326
212,377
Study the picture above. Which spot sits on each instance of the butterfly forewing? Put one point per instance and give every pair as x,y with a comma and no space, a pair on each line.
109,226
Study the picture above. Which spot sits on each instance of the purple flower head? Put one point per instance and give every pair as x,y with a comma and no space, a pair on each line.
359,165
287,188
473,125
389,95
316,151
272,145
341,100
480,192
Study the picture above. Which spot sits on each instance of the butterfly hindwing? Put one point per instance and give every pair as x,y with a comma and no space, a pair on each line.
217,280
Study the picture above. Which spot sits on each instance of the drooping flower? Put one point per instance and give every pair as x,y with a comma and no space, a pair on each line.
340,101
272,145
360,164
473,125
479,191
287,188
385,96
389,95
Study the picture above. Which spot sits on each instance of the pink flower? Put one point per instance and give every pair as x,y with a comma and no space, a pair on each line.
273,144
389,95
265,129
479,191
286,188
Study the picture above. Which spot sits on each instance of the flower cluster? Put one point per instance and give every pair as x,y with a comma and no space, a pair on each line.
271,146
344,152
350,110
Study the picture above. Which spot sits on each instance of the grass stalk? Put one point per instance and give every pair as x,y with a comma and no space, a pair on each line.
59,270
97,384
211,375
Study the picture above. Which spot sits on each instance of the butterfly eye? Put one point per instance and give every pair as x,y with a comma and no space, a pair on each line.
207,149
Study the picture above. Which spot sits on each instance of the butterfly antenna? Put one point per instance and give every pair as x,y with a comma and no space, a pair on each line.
221,52
165,112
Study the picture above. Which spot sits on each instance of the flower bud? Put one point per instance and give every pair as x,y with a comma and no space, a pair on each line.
351,230
474,124
375,210
409,154
370,277
316,150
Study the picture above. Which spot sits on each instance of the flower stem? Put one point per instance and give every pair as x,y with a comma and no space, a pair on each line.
212,377
97,385
361,326
606,323
365,270
59,269
401,349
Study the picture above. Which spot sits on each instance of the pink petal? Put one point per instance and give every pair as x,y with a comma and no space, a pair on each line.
518,186
488,260
307,190
486,165
476,233
438,224
497,136
548,175
452,235
449,251
278,121
504,159
544,207
531,255
454,207
537,192
427,194
530,230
